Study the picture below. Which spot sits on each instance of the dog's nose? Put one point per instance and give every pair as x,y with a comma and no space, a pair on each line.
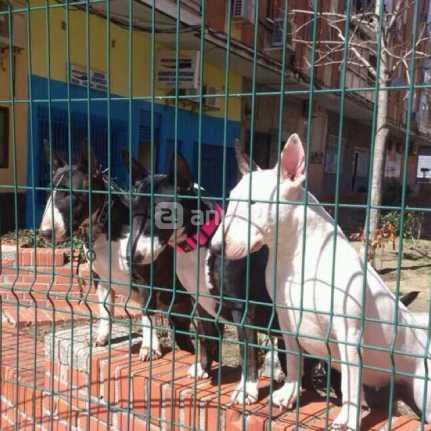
216,248
46,234
138,257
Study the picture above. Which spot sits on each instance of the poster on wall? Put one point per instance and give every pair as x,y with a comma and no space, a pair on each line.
424,167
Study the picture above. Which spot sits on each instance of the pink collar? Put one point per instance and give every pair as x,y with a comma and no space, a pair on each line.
205,233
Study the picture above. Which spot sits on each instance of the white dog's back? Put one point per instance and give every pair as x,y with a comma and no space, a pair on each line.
336,289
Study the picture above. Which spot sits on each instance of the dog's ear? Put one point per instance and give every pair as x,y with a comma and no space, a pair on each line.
243,160
57,161
138,170
83,160
184,174
292,161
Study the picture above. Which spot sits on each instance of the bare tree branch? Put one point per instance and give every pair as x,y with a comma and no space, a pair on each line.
332,62
355,51
298,29
360,45
329,53
398,10
374,44
330,14
406,71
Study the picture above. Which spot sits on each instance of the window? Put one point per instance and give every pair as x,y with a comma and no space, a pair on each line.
362,5
243,10
4,137
330,165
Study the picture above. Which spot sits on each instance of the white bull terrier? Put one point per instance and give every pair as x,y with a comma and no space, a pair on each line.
327,298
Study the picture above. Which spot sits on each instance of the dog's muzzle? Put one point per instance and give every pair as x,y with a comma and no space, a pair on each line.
137,256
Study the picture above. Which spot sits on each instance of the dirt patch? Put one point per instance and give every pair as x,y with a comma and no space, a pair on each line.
415,269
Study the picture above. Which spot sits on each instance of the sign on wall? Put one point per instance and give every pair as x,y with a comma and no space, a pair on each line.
424,166
187,71
79,76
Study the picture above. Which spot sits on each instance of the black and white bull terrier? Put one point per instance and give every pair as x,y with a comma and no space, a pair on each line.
66,213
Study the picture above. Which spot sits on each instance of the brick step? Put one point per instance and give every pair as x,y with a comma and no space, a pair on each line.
45,274
64,274
54,396
102,419
87,361
162,391
31,256
26,297
60,275
30,291
26,287
33,270
37,277
22,380
29,400
45,312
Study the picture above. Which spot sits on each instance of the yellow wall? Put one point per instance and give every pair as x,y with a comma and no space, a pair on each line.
118,49
17,119
214,76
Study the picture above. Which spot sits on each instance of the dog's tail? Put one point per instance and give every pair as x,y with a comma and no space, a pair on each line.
408,298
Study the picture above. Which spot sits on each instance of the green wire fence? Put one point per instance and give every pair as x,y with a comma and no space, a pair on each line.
97,97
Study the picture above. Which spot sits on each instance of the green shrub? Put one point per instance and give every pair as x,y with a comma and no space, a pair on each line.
27,238
413,221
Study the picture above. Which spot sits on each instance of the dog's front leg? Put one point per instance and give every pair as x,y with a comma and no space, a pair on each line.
348,336
208,344
150,347
286,396
246,391
105,297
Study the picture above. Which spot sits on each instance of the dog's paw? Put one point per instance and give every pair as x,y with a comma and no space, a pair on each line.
147,353
341,427
272,368
245,393
150,348
196,371
346,419
286,395
101,339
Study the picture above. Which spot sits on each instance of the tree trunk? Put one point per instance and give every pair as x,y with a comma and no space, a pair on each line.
382,131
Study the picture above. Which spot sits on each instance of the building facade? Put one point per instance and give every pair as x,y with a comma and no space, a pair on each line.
333,115
70,77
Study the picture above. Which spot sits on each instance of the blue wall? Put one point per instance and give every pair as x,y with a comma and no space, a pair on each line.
56,115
